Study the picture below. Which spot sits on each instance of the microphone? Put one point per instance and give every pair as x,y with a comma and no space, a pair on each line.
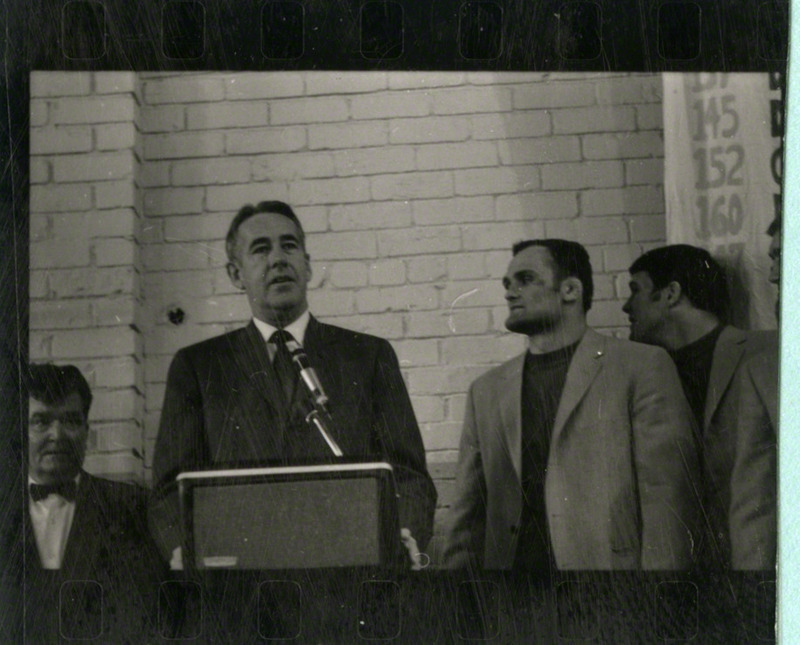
310,378
308,374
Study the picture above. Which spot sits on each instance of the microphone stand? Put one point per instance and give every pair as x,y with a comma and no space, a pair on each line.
314,418
319,399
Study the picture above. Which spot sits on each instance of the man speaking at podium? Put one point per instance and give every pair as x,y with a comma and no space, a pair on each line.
237,401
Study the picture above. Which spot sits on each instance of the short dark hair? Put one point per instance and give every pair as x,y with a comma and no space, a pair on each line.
775,226
248,210
570,260
51,384
702,278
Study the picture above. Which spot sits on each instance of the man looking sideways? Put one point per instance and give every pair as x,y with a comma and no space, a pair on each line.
679,301
577,454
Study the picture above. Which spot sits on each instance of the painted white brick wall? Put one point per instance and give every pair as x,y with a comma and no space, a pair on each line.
85,299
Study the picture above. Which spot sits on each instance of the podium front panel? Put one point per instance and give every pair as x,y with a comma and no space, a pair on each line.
289,520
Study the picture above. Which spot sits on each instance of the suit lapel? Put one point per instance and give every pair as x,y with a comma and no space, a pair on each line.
86,531
32,558
765,375
727,354
510,400
318,342
582,371
329,358
315,343
323,352
253,356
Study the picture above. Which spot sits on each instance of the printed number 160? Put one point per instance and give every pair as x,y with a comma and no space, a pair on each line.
719,221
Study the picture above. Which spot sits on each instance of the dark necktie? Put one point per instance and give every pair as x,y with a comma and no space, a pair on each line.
65,489
282,362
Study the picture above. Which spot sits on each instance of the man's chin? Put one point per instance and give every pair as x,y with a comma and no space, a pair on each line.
284,310
59,467
637,337
283,299
641,337
528,327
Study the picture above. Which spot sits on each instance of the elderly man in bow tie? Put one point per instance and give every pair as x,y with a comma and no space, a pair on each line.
87,527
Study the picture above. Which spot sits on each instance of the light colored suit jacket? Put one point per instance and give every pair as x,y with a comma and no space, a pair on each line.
734,347
754,483
621,468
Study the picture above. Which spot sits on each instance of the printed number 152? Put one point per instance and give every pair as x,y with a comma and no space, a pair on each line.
719,166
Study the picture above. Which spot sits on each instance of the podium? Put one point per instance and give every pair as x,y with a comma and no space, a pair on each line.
291,517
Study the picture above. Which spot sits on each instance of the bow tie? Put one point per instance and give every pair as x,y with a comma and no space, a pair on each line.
65,489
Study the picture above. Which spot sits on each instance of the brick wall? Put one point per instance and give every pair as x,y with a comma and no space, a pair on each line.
85,286
411,187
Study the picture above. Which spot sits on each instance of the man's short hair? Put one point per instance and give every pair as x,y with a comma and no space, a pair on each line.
248,210
570,260
774,226
701,277
51,384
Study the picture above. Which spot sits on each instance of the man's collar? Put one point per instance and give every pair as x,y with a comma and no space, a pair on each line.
297,329
76,480
556,340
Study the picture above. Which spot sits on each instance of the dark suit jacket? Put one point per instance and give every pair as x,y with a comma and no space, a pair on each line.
619,488
754,483
108,544
222,409
734,347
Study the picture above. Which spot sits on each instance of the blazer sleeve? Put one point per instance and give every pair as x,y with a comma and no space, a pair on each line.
466,521
180,445
753,513
401,442
667,465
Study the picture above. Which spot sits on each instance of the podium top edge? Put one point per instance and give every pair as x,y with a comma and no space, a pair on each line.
284,470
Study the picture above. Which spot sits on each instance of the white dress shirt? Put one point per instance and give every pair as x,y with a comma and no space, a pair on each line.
51,518
297,329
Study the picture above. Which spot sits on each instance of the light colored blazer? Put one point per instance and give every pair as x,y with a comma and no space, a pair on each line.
734,347
754,483
622,466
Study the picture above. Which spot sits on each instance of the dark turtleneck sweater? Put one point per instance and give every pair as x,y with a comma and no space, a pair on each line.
542,384
694,369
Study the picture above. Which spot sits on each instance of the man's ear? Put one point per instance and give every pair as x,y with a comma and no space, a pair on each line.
308,265
571,289
673,293
234,275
